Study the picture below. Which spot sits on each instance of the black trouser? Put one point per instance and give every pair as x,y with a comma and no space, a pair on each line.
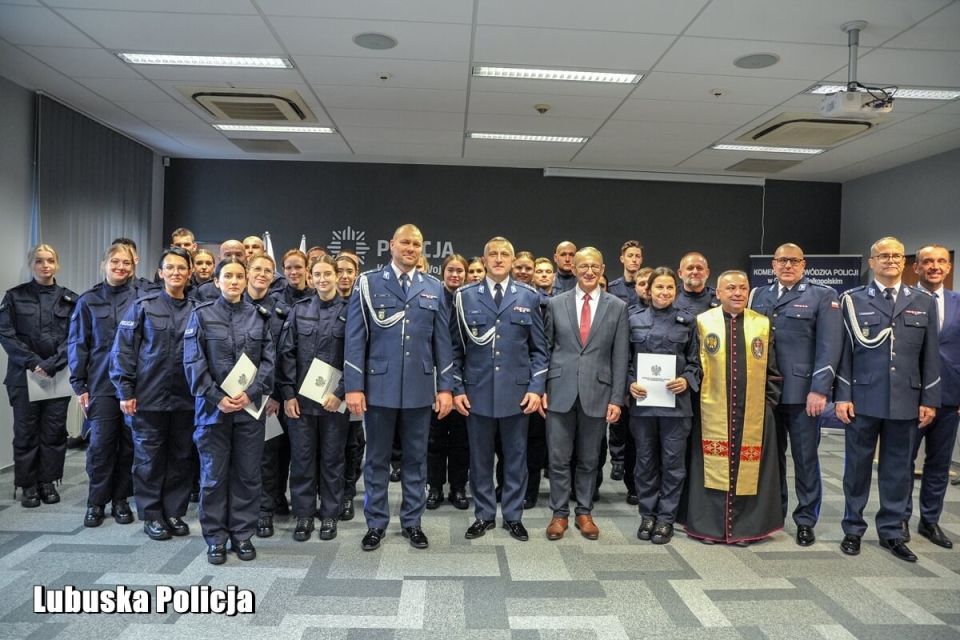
617,440
313,439
353,458
110,452
448,451
162,462
274,468
39,438
536,452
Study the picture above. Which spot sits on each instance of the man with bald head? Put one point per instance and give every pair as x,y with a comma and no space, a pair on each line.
252,245
228,249
565,279
696,296
398,363
805,317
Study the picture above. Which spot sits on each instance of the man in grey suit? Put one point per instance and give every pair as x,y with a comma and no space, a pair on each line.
588,336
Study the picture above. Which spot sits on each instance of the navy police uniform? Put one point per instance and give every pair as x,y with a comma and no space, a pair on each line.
34,322
500,354
93,328
619,430
660,433
563,282
889,367
696,302
230,444
809,337
315,329
147,365
398,352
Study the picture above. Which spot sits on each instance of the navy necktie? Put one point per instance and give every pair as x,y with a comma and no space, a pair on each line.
404,282
497,294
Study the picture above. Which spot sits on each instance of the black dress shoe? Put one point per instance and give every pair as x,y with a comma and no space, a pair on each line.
264,526
434,498
94,517
177,526
346,509
934,534
217,553
194,496
328,529
303,530
631,499
850,545
120,509
48,493
645,532
30,497
899,548
372,540
156,530
516,529
244,549
281,506
530,501
616,471
458,498
662,533
395,475
805,535
479,528
905,530
418,539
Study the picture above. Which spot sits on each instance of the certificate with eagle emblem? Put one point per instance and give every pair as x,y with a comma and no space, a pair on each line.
654,371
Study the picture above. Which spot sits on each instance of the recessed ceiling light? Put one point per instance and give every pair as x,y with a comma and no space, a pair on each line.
756,61
206,61
273,129
556,74
900,92
749,147
526,138
377,41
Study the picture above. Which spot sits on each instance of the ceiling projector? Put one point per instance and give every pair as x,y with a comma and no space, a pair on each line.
855,104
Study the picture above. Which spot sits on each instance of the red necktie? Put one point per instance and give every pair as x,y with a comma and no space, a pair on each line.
585,319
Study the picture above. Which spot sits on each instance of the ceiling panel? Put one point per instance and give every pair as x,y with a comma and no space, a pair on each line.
525,153
569,49
693,112
387,98
415,40
930,124
175,32
82,62
909,68
402,136
714,160
161,111
630,129
550,87
396,119
716,56
410,151
171,6
124,90
203,75
38,26
421,11
819,22
640,16
364,72
522,104
939,31
496,123
637,153
694,87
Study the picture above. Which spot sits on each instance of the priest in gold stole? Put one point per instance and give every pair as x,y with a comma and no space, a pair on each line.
734,480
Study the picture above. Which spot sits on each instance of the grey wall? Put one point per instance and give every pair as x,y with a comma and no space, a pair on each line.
917,203
16,186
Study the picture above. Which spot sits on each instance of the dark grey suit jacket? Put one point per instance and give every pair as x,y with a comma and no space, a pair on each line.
596,372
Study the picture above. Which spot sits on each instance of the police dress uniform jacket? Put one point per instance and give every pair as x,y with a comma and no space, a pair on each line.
499,354
93,328
395,340
902,372
697,302
626,291
34,323
217,334
809,336
314,329
668,331
147,362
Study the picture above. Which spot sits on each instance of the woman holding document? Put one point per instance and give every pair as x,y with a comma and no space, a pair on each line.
664,368
34,320
310,365
228,355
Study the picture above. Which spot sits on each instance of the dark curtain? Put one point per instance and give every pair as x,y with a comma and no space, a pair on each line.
94,185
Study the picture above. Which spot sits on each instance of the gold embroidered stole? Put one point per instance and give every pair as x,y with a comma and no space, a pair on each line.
715,409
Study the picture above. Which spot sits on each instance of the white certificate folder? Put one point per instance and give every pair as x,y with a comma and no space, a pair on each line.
239,379
40,387
654,371
320,382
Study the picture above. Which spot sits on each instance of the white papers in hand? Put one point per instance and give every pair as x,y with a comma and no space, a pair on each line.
320,383
41,387
654,371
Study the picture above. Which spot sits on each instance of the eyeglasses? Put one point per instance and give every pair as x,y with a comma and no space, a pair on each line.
596,268
115,262
175,268
793,262
888,257
260,270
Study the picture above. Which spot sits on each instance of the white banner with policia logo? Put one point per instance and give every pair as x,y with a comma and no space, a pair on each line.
842,272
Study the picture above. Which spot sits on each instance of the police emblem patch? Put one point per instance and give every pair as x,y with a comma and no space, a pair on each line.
381,314
712,343
756,348
865,331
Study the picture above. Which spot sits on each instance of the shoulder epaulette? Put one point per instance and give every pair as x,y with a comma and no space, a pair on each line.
205,303
470,285
685,317
525,285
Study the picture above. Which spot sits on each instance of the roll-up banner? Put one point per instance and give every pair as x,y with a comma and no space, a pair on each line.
841,272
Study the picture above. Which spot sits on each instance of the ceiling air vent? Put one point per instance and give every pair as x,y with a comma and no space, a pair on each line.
251,105
253,145
761,165
808,130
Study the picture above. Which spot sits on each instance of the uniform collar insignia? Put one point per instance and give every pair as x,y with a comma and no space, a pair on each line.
802,287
